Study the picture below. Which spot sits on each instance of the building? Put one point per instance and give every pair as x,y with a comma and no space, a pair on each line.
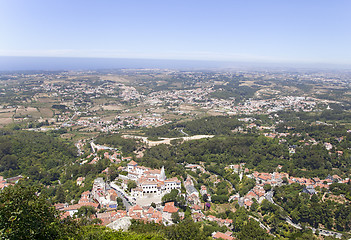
169,209
150,181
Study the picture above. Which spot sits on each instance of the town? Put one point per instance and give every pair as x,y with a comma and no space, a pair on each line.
225,150
143,200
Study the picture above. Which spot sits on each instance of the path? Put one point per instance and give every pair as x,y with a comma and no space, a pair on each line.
122,195
269,197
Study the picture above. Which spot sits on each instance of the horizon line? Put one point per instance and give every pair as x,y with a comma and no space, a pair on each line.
247,63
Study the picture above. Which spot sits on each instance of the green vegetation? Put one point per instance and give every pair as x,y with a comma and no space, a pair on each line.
204,126
312,210
36,155
25,215
127,146
340,188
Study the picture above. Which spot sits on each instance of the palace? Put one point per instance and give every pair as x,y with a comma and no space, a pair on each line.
150,181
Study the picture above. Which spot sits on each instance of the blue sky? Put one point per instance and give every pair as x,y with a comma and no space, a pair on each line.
317,31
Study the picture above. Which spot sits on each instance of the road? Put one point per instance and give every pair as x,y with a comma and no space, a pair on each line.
181,130
327,233
122,195
261,224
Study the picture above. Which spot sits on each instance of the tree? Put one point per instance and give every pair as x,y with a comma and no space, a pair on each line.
170,197
120,204
185,230
175,217
26,214
131,184
85,211
252,230
254,206
285,180
60,195
205,197
267,187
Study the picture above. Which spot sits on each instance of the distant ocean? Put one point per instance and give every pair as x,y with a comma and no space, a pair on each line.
71,63
65,63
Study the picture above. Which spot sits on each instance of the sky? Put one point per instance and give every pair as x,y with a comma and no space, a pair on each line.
312,31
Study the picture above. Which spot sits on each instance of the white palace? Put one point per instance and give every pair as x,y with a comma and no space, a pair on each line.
150,181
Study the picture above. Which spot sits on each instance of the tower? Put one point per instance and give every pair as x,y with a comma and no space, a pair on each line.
162,174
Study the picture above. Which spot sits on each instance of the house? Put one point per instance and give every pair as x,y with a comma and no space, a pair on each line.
80,180
172,183
72,209
126,158
251,195
4,183
328,146
150,181
309,189
203,190
131,165
149,186
169,209
85,198
194,167
235,167
137,192
336,178
248,202
219,235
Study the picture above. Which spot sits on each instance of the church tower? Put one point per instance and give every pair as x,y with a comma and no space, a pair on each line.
162,174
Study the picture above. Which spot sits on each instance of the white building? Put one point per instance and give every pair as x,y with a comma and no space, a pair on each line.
150,181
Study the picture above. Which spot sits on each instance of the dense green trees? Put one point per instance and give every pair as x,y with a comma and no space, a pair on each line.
304,208
26,214
341,188
94,232
175,197
252,231
216,153
127,146
36,155
209,125
185,230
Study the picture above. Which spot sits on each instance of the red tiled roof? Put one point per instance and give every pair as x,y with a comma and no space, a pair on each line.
222,235
150,211
169,207
132,163
77,206
196,207
136,208
251,195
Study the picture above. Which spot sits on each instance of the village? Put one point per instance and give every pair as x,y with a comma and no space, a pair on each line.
142,200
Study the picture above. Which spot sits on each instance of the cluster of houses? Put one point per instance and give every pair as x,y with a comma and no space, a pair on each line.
276,179
5,182
146,214
102,196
